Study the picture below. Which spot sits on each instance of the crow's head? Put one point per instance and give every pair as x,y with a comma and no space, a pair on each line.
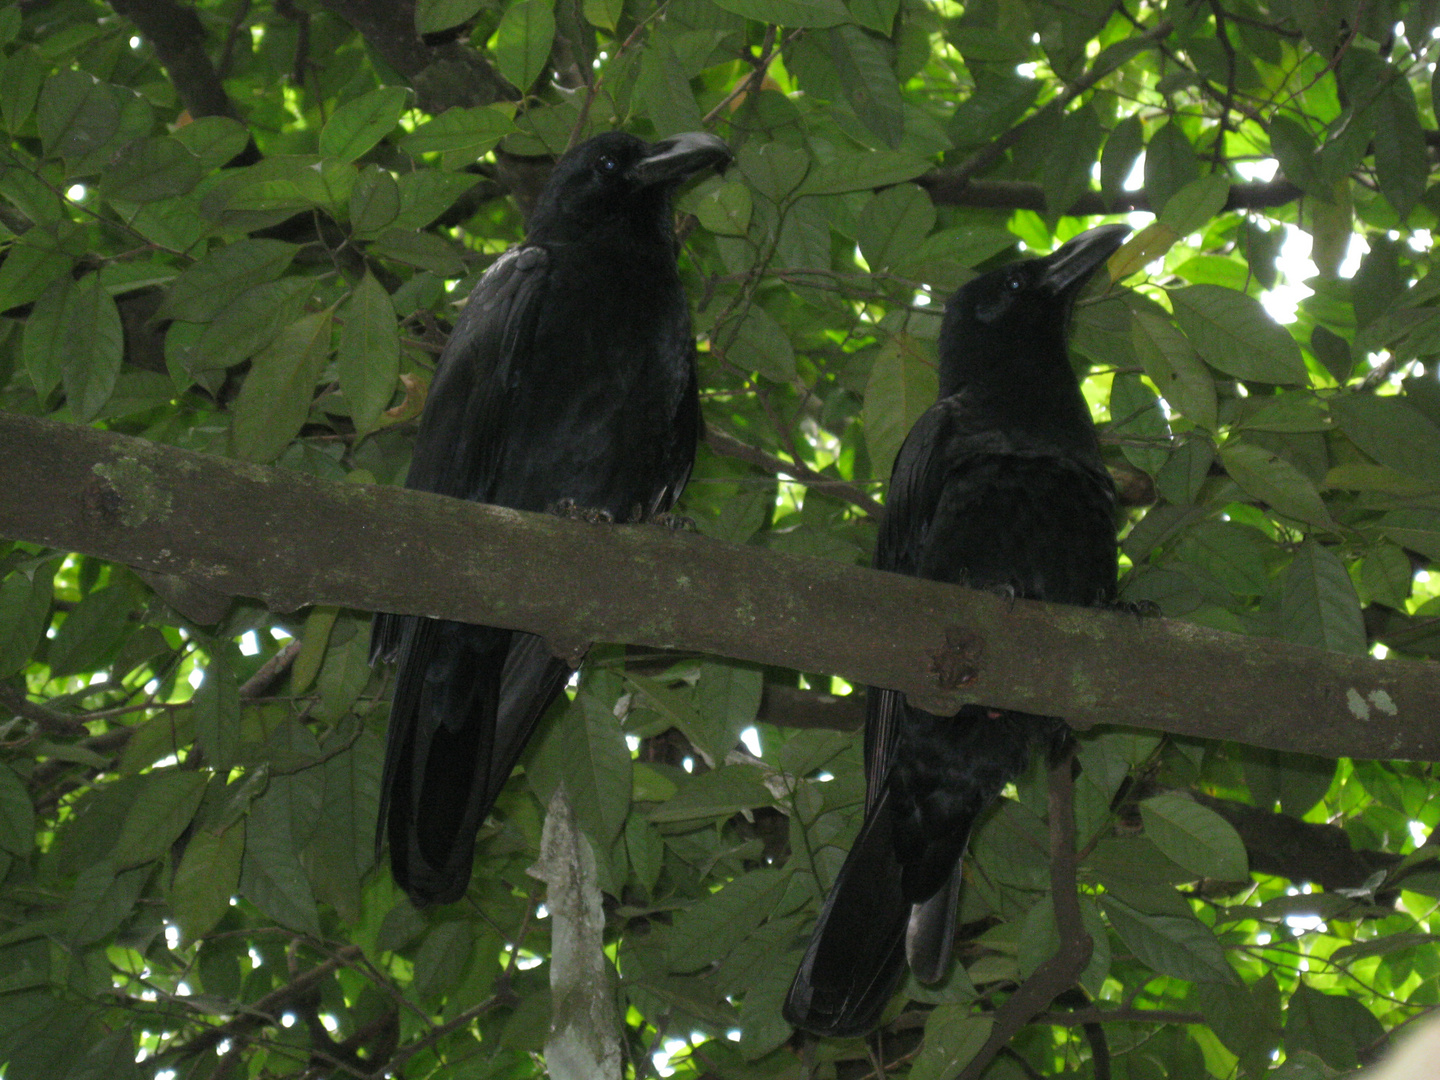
1019,313
617,179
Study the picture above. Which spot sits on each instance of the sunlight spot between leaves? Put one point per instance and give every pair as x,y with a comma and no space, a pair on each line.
196,677
222,1047
287,1020
688,764
1418,832
662,1057
256,960
633,743
279,633
166,761
165,1074
249,643
542,912
172,936
751,738
135,43
824,777
733,1034
1379,651
528,960
75,192
330,1023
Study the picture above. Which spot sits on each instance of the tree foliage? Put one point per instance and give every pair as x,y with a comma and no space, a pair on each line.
242,228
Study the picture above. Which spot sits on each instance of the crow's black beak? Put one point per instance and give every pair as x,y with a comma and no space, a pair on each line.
1067,270
672,160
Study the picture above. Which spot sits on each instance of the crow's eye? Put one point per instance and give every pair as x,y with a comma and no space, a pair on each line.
606,165
1014,281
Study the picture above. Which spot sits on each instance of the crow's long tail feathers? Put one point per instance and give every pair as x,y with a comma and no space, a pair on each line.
465,705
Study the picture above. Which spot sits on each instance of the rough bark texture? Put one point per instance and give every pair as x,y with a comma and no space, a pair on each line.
290,540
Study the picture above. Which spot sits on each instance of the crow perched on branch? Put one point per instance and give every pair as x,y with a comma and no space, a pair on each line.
999,485
569,380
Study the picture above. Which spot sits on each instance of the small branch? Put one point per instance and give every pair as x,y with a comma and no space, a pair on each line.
47,720
268,1009
950,188
1098,1015
731,447
1059,973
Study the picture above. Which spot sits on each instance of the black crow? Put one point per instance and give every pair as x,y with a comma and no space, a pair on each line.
569,380
999,485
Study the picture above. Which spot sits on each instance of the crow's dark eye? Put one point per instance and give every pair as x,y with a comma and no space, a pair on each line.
606,165
1014,281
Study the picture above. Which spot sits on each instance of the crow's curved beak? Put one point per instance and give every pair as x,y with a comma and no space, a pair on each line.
671,160
1067,269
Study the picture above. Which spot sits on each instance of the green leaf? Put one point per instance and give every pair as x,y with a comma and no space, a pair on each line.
862,172
151,169
1195,837
1170,164
665,87
101,901
1122,148
92,631
1236,335
1136,417
94,347
1066,175
953,1036
1390,430
1414,528
474,130
1333,351
1335,1027
275,399
21,75
207,877
428,193
345,672
815,14
30,268
206,288
894,224
585,750
24,613
704,933
725,209
1193,206
215,140
1184,948
374,201
715,794
1175,368
877,15
522,42
271,876
216,710
359,124
251,321
868,78
17,815
369,357
76,115
1385,574
1318,603
1401,158
423,250
604,13
903,384
1271,479
773,169
165,805
1294,148
432,16
727,697
760,344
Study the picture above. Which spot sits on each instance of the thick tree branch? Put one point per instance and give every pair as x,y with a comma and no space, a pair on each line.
291,540
443,75
176,34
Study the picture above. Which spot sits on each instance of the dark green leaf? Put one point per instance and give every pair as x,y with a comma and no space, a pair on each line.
894,224
151,169
359,124
868,76
953,1036
205,289
522,42
92,631
1390,431
165,805
1401,159
1118,158
1335,1027
24,612
369,357
17,815
1318,603
1135,417
793,13
1194,205
1235,335
216,710
1170,164
1066,175
725,209
271,876
76,115
903,384
1268,477
102,901
1184,948
1195,837
473,130
275,399
862,172
715,794
760,344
